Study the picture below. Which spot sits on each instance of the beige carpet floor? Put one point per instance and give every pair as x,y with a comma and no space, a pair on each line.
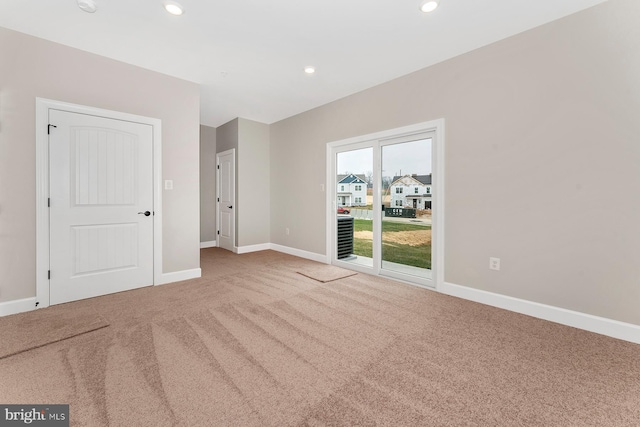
39,328
254,343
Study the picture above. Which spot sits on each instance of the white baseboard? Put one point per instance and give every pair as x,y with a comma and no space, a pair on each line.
252,248
17,306
300,253
599,325
178,276
279,248
210,244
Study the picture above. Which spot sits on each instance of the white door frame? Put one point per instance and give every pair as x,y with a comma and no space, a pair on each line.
231,151
42,187
438,197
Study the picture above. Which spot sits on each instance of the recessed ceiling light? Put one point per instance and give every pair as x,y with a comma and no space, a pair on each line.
428,5
309,70
88,6
174,8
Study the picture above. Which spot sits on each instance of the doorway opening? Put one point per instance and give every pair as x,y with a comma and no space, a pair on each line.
226,200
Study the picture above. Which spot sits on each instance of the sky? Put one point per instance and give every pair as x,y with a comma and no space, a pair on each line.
398,159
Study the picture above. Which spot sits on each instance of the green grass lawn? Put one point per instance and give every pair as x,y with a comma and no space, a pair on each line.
417,256
362,247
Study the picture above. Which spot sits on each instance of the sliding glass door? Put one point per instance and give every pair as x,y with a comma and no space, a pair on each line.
383,203
354,201
406,183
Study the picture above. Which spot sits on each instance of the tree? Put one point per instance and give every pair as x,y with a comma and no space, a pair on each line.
386,182
368,176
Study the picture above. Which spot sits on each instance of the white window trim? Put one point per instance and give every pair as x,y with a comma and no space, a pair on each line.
438,197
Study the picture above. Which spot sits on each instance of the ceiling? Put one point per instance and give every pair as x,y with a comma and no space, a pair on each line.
248,55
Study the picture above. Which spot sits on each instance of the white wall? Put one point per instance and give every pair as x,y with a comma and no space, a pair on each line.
542,161
32,67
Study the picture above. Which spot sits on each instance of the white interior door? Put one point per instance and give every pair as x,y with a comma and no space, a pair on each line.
226,199
101,208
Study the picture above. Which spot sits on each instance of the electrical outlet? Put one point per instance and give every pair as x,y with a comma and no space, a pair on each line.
494,264
168,184
286,231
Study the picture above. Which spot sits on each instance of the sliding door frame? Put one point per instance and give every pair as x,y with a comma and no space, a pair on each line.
375,140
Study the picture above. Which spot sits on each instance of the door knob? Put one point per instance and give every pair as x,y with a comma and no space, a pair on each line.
230,207
145,213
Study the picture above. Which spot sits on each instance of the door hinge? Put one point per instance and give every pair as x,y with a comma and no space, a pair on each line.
218,166
218,198
48,202
218,231
49,274
37,303
49,128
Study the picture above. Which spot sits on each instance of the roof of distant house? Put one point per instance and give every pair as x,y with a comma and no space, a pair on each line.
424,179
352,179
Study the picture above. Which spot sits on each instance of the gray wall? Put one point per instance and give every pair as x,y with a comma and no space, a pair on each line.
32,67
227,136
253,183
207,183
542,161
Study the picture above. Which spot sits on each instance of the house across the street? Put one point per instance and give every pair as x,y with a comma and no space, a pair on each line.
411,191
352,190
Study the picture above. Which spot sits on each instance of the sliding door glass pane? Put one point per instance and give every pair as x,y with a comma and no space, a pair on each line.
354,201
406,197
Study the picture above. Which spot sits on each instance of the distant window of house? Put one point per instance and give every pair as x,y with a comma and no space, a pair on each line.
399,202
428,190
358,187
398,190
415,190
358,199
342,188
